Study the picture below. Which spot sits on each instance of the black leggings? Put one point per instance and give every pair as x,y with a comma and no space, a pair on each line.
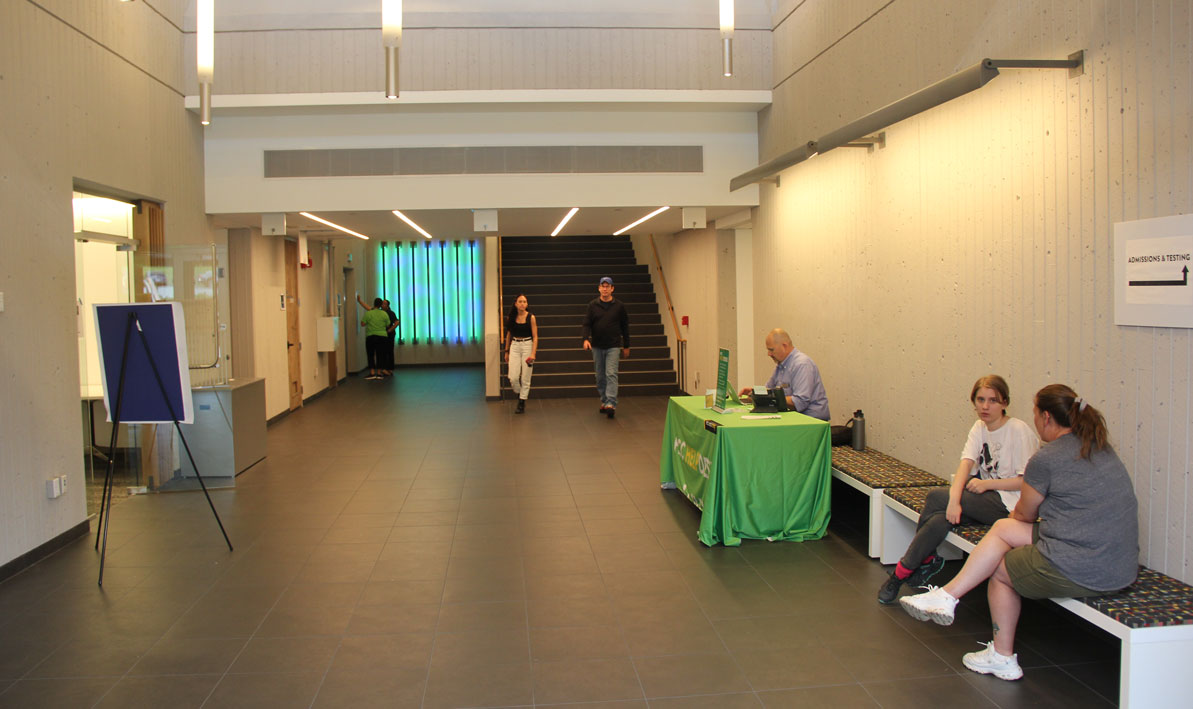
933,527
375,347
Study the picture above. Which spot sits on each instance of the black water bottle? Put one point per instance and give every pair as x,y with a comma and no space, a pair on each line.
859,430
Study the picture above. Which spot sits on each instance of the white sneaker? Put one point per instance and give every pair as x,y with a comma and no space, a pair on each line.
936,605
990,662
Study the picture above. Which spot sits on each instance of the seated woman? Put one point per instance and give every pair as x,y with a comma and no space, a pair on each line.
985,487
1086,542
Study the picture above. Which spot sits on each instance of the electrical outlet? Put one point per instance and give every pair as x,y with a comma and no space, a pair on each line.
62,484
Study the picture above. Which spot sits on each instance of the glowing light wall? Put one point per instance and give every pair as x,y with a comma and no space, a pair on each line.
435,289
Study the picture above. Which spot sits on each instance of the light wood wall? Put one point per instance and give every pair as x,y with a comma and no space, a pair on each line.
979,240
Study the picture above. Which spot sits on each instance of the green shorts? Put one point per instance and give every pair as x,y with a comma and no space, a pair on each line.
1033,576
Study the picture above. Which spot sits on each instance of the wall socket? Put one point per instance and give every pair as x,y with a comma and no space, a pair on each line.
56,487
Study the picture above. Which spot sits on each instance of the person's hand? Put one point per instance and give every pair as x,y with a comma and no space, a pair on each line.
587,345
977,486
953,513
625,352
530,360
505,356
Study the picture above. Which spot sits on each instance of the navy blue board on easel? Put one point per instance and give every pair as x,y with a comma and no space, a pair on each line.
146,378
165,336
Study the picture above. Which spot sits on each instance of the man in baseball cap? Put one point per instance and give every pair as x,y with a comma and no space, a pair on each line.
605,326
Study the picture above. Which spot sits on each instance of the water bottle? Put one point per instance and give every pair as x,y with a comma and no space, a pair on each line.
859,430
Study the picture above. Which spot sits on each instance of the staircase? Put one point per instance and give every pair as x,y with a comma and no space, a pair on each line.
559,277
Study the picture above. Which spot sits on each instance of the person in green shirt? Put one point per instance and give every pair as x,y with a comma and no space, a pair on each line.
376,323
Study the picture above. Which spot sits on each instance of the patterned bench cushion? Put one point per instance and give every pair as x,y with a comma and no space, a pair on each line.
914,497
879,470
1154,600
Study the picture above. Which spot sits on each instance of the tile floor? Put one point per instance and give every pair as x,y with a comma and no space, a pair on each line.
407,544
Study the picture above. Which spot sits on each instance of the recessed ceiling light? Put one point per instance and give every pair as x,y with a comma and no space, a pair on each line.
570,214
333,225
414,226
626,228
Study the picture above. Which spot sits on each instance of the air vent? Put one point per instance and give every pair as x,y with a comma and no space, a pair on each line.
504,160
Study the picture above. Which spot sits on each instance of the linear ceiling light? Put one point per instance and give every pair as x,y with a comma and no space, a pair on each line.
414,226
205,55
570,214
626,228
391,38
943,91
727,37
333,225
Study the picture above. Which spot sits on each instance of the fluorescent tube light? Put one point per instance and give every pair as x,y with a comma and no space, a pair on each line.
626,228
414,226
570,214
333,225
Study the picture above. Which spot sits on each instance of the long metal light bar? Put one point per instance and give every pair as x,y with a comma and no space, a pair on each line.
943,91
333,225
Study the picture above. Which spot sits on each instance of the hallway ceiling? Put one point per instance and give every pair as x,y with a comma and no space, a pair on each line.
458,223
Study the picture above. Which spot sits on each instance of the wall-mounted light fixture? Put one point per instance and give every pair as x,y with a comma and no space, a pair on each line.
943,91
571,213
727,37
205,55
391,38
333,225
653,214
413,226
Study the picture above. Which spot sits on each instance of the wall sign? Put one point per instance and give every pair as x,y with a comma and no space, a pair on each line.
1152,258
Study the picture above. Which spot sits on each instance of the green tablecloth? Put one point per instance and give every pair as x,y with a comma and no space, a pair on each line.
754,479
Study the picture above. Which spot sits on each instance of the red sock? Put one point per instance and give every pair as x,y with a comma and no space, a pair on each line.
901,571
928,559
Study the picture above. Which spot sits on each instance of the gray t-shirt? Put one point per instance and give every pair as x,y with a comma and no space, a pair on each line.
1089,527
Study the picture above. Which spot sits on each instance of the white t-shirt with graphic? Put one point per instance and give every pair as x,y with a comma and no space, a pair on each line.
1001,454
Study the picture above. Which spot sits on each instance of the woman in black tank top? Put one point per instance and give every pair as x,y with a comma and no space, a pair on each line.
521,346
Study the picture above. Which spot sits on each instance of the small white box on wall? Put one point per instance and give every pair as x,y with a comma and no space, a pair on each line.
327,333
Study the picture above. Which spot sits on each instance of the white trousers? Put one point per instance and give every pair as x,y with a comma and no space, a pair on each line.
519,371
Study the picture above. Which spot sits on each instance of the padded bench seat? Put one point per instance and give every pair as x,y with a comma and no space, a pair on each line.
871,472
1153,617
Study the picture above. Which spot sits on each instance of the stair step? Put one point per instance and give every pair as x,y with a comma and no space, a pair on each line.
585,366
589,390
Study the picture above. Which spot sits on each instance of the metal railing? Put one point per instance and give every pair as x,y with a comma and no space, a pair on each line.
681,344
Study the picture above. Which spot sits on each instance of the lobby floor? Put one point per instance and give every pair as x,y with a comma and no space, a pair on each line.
408,544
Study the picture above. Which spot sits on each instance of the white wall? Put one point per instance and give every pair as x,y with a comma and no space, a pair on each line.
85,98
979,239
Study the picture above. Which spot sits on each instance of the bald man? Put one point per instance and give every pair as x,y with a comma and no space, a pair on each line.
797,375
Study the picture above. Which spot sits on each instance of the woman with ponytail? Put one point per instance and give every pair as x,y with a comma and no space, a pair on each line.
1073,534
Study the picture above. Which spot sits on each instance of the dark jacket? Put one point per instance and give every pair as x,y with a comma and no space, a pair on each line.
605,324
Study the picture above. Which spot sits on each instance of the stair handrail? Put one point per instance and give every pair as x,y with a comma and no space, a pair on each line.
681,344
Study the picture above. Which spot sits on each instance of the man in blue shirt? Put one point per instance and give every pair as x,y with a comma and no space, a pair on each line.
797,375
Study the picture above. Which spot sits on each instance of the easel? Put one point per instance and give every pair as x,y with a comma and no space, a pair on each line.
106,498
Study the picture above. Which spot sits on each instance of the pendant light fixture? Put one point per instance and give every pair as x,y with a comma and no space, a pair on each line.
391,38
727,37
205,55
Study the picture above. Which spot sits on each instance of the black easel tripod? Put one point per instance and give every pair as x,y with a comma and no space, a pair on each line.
106,498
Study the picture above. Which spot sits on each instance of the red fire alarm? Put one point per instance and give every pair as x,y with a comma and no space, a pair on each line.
684,321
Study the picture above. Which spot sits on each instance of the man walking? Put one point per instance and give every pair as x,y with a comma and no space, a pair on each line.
606,325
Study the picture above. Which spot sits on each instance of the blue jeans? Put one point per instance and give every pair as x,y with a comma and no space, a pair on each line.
605,362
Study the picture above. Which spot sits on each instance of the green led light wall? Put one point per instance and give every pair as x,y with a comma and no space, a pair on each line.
435,289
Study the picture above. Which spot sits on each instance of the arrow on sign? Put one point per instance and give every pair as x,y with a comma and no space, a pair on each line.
1184,281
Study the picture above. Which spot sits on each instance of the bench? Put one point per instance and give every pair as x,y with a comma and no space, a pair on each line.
1153,618
872,472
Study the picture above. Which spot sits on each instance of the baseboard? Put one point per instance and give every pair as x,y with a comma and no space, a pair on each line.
35,555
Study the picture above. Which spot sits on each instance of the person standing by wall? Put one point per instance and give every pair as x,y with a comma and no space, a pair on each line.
605,326
376,325
521,347
392,333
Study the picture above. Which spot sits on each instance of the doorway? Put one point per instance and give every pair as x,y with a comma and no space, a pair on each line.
293,341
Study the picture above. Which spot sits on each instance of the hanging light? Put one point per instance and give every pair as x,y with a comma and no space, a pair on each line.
205,55
727,37
391,38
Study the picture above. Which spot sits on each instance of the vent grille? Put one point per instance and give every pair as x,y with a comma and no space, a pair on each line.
502,160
